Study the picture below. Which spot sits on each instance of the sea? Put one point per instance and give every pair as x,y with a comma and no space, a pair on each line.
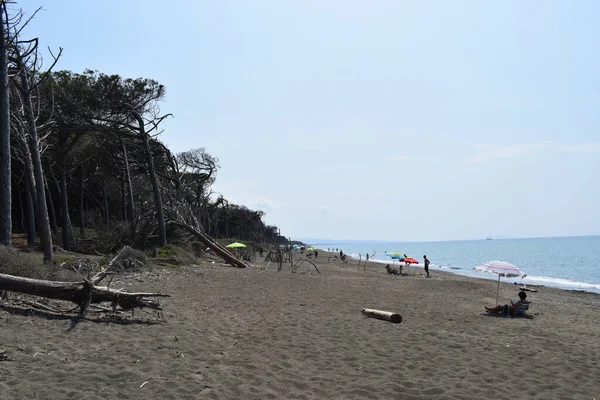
564,262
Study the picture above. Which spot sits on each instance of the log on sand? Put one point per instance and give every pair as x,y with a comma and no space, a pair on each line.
82,293
385,315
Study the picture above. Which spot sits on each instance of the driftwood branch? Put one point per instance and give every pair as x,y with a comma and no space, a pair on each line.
96,279
301,261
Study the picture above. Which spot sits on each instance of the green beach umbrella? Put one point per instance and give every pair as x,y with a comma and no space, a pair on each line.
395,255
235,245
311,249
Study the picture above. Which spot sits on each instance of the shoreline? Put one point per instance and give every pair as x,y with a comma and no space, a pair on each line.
541,281
484,276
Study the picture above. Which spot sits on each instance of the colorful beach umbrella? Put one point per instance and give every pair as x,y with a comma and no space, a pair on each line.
235,245
311,249
410,260
395,255
502,269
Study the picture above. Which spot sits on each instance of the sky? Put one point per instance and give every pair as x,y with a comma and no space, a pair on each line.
383,120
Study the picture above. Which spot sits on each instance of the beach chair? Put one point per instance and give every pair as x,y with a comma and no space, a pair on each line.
519,312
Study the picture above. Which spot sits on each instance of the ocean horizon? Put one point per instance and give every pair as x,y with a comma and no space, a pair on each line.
570,262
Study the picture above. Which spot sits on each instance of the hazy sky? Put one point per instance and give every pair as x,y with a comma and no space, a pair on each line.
392,120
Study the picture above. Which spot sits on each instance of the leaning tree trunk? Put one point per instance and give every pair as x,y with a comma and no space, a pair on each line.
130,205
5,181
42,209
64,207
211,243
160,215
51,209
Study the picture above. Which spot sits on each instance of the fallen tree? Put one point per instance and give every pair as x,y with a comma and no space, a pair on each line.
82,293
211,244
85,292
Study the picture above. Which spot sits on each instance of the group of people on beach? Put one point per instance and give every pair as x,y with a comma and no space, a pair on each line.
426,263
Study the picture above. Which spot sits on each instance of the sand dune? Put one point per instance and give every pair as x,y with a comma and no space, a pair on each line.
262,334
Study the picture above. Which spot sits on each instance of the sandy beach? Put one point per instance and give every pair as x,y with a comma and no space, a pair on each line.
261,334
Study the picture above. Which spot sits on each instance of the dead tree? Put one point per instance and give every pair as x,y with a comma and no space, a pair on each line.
5,177
24,87
83,293
24,56
145,136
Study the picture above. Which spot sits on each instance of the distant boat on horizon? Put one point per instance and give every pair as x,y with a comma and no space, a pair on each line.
488,238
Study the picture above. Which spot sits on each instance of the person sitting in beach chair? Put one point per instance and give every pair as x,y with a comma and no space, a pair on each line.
516,307
392,271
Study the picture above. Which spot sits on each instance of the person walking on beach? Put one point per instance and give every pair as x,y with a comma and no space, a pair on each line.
426,264
367,256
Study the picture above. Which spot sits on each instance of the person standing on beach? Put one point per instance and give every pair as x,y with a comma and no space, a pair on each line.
426,264
367,256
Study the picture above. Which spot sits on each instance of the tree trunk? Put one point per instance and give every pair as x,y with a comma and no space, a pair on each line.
212,244
64,208
129,190
123,200
5,181
51,209
105,205
21,226
30,211
160,216
385,315
81,211
42,209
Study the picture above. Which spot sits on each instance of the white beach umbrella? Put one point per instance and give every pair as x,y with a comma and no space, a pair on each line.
501,268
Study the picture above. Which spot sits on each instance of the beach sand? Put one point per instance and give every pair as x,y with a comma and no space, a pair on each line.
261,334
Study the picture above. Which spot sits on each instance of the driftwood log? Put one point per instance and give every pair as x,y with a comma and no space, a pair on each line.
212,244
84,292
385,315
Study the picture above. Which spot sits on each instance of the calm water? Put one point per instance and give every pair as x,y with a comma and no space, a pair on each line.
568,263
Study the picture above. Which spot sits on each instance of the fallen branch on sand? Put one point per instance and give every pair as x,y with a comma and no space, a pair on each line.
301,261
385,315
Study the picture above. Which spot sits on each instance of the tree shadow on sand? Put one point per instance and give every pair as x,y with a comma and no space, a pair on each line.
104,318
